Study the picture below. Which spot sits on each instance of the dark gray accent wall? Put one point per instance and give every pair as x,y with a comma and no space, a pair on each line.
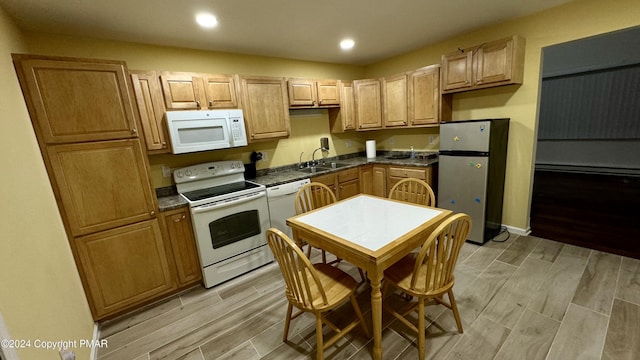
589,114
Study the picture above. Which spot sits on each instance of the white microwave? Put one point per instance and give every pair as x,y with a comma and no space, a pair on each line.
201,130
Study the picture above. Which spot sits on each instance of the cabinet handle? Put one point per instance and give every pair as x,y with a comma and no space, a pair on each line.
152,213
198,104
134,131
252,136
164,144
210,104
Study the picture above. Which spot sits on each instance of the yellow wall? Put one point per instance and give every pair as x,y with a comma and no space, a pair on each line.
41,297
577,19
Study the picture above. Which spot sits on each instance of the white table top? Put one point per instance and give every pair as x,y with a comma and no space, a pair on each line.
369,221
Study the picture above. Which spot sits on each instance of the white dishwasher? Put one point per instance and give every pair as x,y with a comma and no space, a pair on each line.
281,200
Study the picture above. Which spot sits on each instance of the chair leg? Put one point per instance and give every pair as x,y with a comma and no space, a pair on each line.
421,329
324,257
319,337
287,322
356,308
454,307
364,278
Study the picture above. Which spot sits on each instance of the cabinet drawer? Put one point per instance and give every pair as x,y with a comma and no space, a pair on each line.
347,175
407,173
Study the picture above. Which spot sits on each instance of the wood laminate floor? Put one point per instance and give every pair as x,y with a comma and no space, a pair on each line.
526,298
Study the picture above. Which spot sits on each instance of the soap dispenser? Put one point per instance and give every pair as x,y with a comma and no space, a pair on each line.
413,153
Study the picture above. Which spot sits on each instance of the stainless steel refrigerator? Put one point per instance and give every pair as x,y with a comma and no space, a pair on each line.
471,171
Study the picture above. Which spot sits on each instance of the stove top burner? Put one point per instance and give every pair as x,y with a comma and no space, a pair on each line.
212,192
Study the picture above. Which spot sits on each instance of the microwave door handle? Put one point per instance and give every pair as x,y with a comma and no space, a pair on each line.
224,204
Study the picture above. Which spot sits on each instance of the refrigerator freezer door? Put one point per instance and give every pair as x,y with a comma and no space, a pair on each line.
465,136
463,188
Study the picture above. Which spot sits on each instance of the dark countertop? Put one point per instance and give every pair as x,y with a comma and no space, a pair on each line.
169,200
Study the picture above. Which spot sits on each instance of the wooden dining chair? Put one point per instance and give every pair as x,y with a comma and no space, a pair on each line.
312,196
429,274
315,288
414,191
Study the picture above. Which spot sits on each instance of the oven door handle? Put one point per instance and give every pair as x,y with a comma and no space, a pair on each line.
230,202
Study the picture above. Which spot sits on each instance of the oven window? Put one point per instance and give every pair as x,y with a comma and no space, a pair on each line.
236,227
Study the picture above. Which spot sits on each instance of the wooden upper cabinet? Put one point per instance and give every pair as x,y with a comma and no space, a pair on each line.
457,70
102,184
306,93
266,107
343,118
495,63
182,91
195,91
146,86
424,96
368,104
74,100
328,92
220,91
123,267
395,99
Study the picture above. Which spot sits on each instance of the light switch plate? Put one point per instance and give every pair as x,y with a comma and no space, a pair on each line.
166,171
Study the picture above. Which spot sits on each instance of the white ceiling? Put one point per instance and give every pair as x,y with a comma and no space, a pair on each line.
295,29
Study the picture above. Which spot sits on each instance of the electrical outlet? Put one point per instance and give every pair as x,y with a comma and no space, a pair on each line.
166,171
348,143
264,155
392,140
432,139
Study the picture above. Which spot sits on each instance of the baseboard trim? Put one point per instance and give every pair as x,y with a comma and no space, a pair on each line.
518,231
96,337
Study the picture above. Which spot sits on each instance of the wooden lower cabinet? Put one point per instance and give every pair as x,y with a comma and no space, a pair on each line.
373,180
179,232
345,183
395,174
124,267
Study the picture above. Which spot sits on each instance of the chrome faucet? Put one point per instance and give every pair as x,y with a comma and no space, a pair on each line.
300,166
324,146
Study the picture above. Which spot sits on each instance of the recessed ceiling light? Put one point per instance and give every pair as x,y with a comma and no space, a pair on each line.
206,20
347,44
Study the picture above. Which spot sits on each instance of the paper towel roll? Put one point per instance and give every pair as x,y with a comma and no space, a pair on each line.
371,149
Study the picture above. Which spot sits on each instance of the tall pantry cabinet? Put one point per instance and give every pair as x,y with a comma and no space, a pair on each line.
85,119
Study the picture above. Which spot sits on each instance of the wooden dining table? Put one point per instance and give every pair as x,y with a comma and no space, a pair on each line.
370,232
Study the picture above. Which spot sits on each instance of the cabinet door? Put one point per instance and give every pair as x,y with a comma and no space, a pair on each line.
457,70
380,181
102,185
329,180
424,96
183,245
366,179
266,109
328,92
348,183
182,91
343,118
73,101
394,94
302,92
146,87
123,267
368,104
494,62
220,91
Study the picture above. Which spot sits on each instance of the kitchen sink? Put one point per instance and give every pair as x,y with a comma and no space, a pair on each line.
313,170
324,167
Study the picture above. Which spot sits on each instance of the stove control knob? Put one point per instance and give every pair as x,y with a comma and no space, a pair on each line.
188,172
179,173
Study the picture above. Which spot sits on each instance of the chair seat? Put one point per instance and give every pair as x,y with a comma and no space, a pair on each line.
337,284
